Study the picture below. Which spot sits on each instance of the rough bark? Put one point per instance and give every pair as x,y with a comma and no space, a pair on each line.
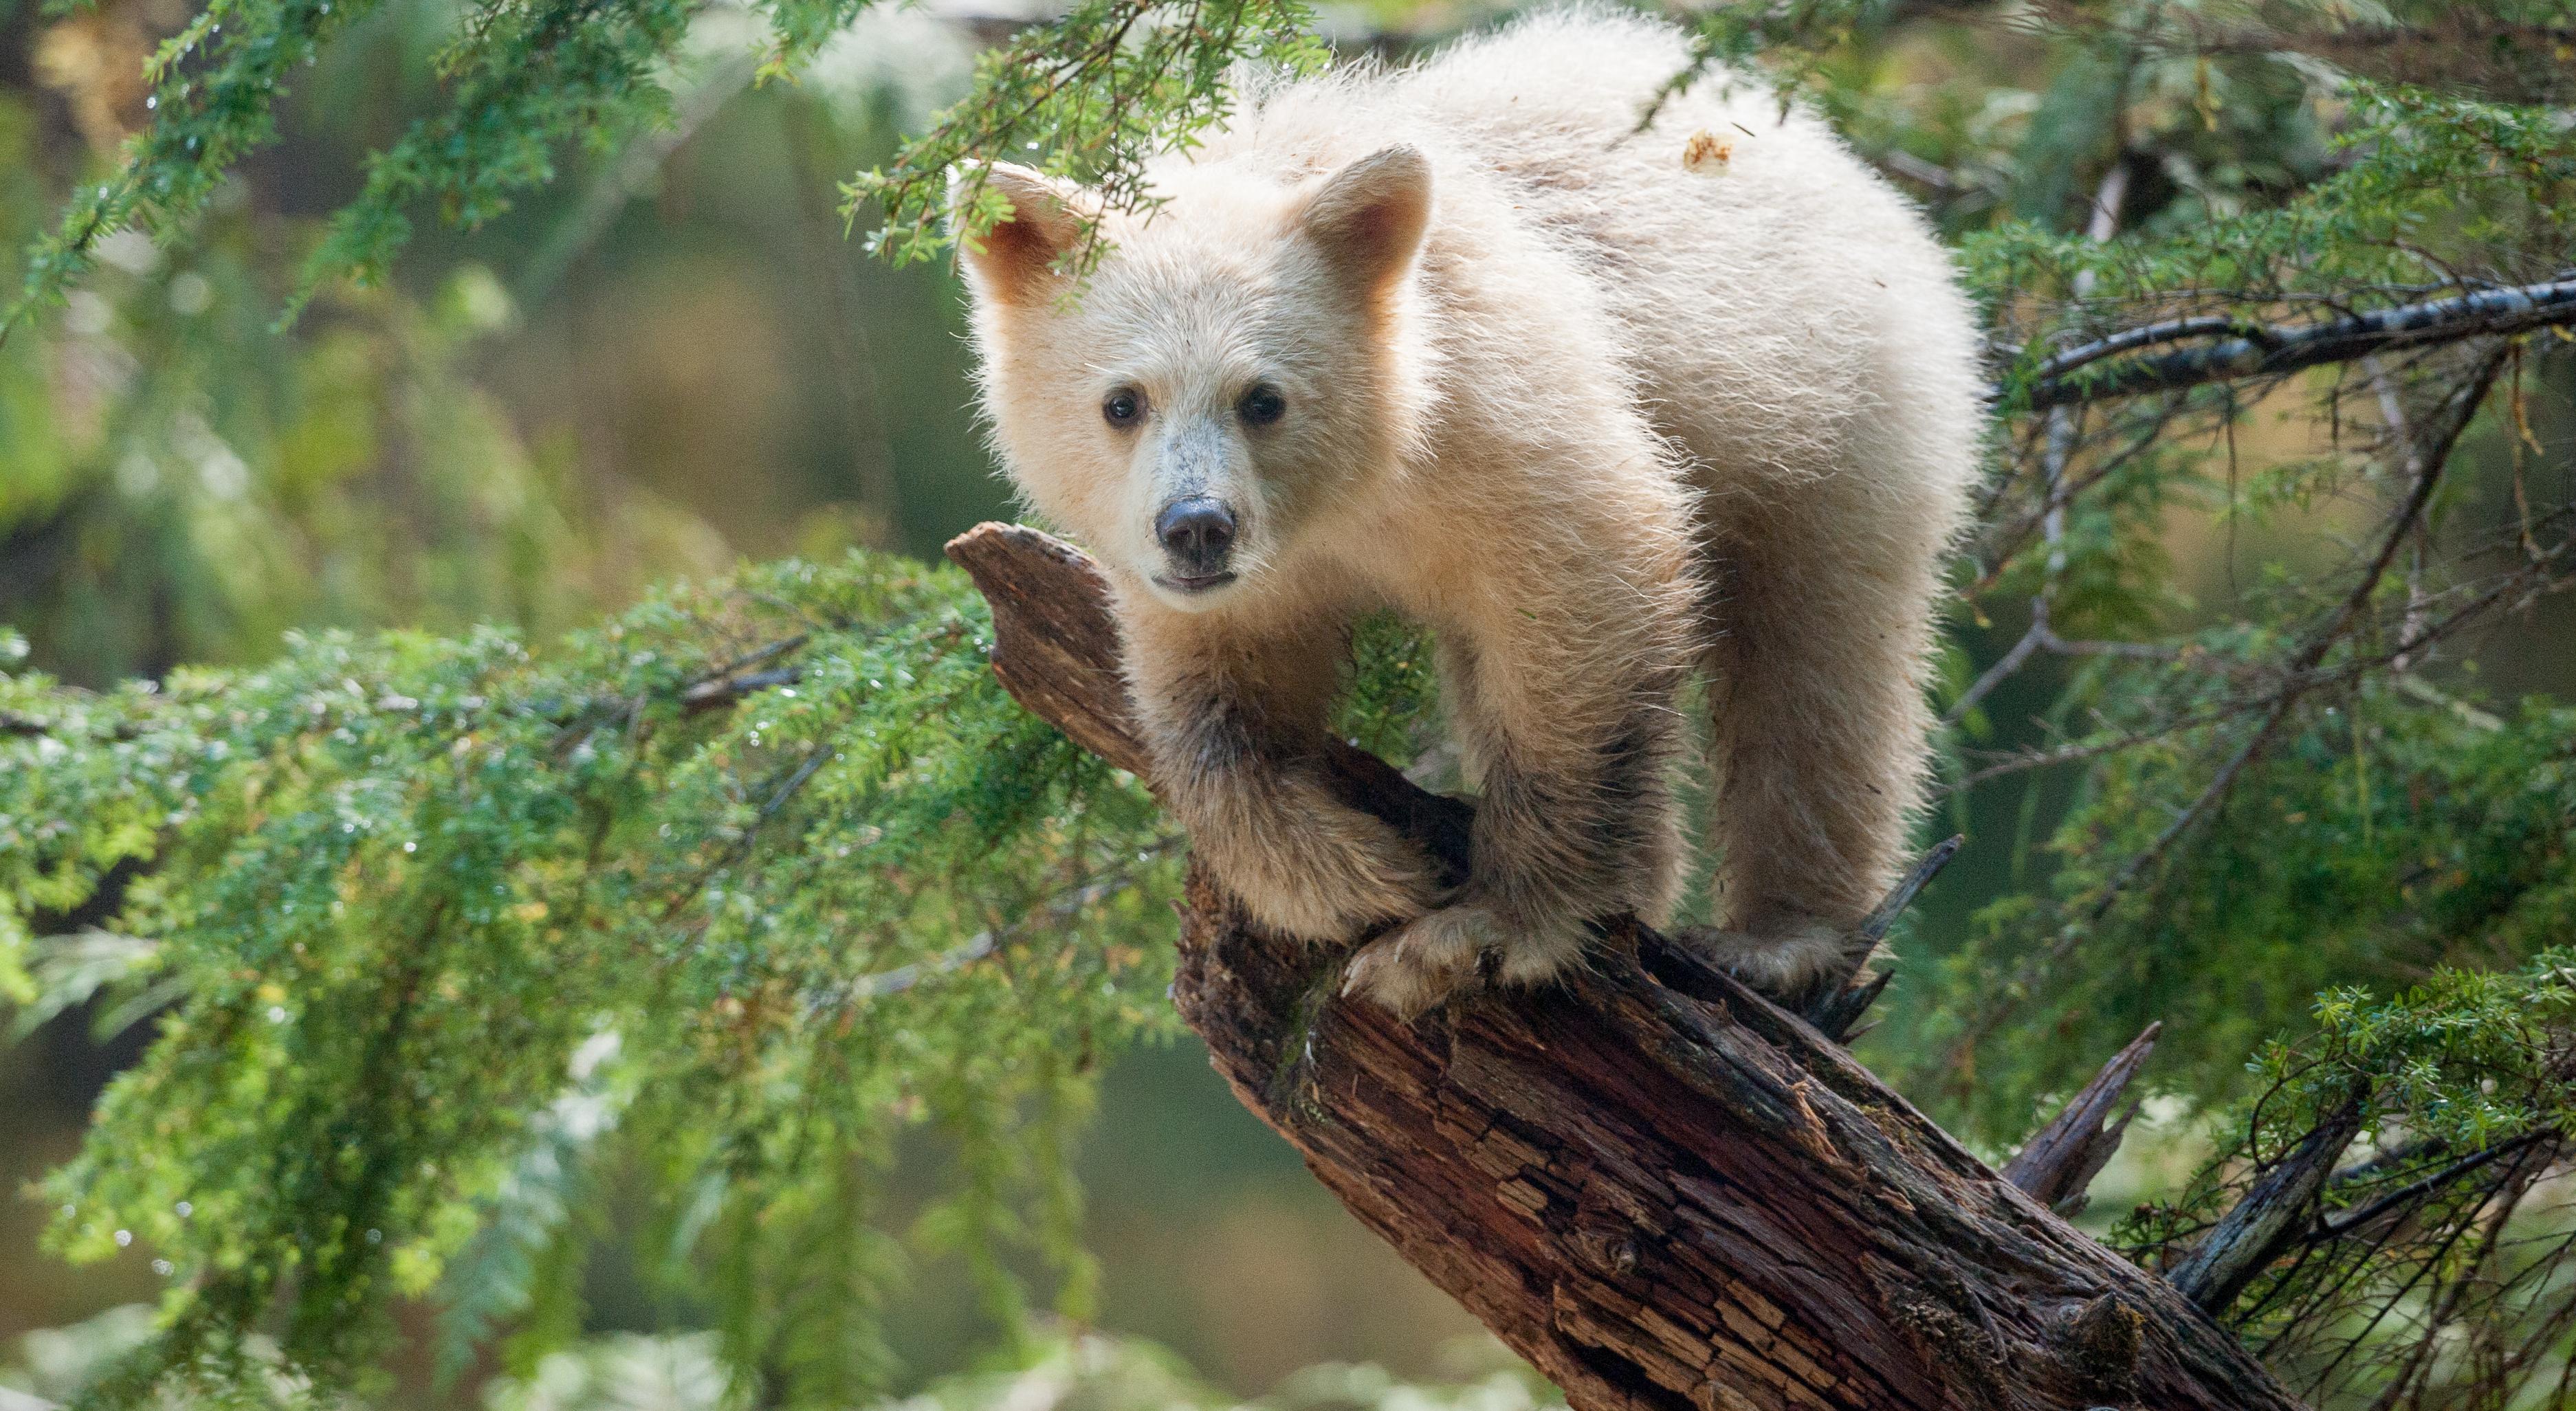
1664,1191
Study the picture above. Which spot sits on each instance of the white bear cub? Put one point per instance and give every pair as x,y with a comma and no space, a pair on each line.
1458,341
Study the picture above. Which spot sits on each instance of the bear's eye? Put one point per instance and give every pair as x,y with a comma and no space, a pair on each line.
1262,405
1124,407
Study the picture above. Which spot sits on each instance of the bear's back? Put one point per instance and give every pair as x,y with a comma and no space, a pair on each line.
1769,301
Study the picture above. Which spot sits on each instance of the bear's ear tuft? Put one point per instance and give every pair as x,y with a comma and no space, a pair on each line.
1368,218
1013,261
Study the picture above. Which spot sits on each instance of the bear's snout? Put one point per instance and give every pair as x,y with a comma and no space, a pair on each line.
1197,534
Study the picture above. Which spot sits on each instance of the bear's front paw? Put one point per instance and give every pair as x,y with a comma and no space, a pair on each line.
1428,959
1324,880
1421,962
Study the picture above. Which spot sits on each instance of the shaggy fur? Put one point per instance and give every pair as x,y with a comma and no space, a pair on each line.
1597,416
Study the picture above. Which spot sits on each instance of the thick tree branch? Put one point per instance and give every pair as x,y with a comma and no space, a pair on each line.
2239,349
1657,1186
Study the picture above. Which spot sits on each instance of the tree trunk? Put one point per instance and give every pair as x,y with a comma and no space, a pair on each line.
1662,1190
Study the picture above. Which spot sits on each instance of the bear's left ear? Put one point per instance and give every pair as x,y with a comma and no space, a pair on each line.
1367,219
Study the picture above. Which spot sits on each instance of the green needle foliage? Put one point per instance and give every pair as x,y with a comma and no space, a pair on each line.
1084,96
2439,1257
1097,88
728,894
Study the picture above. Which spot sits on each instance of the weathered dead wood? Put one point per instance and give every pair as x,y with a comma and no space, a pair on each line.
1660,1188
2261,1224
2058,1164
1844,1001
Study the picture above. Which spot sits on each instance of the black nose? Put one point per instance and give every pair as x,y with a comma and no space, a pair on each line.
1196,532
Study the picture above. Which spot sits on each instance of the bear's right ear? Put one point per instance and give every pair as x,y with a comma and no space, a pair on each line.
1013,261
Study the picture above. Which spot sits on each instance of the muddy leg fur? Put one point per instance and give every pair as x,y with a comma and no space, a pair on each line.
1576,821
1235,727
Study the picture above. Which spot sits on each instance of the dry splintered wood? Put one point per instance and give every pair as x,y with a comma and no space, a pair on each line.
2060,1160
1664,1191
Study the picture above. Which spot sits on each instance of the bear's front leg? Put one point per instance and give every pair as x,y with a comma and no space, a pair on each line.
1575,823
1235,723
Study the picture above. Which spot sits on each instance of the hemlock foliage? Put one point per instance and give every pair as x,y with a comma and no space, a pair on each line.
725,894
443,936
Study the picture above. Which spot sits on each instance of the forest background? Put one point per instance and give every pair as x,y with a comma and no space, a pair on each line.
671,359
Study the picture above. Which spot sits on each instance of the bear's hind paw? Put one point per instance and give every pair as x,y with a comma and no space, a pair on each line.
1793,967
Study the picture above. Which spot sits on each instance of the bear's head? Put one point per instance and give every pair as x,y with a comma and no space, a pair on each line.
1232,370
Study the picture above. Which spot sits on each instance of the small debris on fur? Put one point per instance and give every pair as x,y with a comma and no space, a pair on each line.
1706,152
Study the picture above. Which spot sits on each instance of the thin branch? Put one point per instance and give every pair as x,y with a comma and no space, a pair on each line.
2435,460
2415,1191
713,695
2268,350
2005,666
897,979
2100,225
2300,678
736,679
2042,637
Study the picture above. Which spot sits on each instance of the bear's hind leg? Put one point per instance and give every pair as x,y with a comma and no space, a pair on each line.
1823,626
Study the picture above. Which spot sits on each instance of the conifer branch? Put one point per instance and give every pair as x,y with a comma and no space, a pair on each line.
2242,350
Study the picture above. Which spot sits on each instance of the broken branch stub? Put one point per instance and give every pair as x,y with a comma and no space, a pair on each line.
1657,1186
2057,1165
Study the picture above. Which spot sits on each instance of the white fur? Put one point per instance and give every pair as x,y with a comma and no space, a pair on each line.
1613,418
